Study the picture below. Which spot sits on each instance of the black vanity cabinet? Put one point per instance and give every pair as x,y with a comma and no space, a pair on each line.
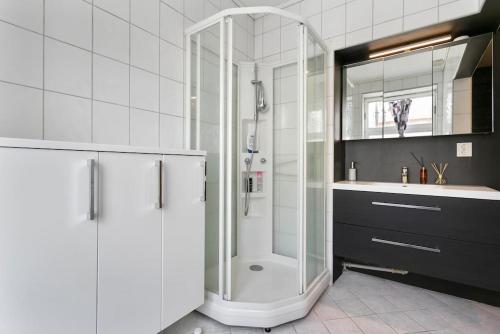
455,239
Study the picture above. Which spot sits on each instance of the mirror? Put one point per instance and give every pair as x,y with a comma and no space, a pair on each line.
442,90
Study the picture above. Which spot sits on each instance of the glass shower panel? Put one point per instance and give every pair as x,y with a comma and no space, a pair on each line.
315,159
286,156
205,135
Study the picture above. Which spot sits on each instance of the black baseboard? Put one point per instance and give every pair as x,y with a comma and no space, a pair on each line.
431,283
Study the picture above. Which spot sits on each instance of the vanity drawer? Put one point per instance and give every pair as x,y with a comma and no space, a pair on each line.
458,261
455,218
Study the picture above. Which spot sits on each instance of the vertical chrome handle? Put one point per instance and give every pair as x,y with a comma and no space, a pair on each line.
203,165
91,167
159,202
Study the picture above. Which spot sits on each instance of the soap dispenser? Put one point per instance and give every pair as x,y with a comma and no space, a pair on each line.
352,172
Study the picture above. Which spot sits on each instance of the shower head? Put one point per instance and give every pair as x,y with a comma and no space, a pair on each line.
261,105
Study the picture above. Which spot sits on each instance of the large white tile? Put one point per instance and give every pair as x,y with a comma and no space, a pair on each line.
271,43
388,28
67,118
111,81
315,22
68,69
120,8
111,36
69,21
288,37
359,36
171,97
421,19
386,10
310,7
342,326
358,15
429,320
146,14
378,304
171,131
144,90
21,56
258,47
194,9
412,6
110,124
144,128
457,9
354,307
178,5
171,25
27,13
21,112
171,61
144,50
371,324
401,323
327,4
333,22
326,309
271,22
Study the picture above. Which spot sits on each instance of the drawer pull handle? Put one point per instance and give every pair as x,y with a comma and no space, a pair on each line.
402,244
407,206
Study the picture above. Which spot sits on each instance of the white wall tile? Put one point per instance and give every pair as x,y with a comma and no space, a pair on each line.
144,128
171,25
359,36
270,22
27,13
144,90
171,97
145,14
358,15
193,9
110,124
178,5
457,9
310,7
386,10
289,37
271,43
171,131
21,114
171,61
120,8
110,81
388,28
21,56
69,21
67,118
421,19
67,69
412,6
333,22
144,50
328,4
258,47
111,36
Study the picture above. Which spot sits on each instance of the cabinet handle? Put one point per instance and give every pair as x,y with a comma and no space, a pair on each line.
91,167
159,202
406,206
402,244
203,165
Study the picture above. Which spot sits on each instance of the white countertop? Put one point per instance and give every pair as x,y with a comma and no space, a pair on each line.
60,145
473,192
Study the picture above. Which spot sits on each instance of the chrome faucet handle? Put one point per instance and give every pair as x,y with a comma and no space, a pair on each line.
263,160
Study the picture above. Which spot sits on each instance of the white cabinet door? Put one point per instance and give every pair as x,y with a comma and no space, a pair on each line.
130,241
183,236
48,247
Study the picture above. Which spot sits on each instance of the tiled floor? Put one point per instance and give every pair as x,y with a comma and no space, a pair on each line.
363,304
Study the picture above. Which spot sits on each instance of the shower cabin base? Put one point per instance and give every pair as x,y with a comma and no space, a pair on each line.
266,298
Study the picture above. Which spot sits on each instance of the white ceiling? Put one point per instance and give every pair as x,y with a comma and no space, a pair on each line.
253,3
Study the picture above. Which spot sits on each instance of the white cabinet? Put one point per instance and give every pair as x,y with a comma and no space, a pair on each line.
48,247
130,244
183,236
135,266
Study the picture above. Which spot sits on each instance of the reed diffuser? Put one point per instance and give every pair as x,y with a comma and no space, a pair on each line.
440,179
423,170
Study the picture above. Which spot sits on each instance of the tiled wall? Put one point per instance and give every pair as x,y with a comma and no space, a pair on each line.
107,71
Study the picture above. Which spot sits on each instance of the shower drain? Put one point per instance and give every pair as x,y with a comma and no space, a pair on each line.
256,267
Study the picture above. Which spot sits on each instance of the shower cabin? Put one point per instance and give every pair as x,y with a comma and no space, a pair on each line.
262,123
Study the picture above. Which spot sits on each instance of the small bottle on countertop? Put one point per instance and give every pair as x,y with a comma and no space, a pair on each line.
352,172
404,175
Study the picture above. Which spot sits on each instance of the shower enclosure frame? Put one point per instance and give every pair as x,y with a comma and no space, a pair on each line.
221,307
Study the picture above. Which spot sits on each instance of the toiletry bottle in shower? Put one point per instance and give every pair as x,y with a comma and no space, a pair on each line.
260,182
352,172
404,175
